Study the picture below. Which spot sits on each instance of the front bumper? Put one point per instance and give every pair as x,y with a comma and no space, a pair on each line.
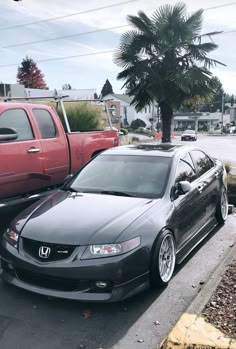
126,275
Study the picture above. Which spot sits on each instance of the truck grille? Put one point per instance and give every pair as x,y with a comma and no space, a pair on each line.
47,252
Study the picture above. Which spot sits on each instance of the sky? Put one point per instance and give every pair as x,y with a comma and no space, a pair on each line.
91,71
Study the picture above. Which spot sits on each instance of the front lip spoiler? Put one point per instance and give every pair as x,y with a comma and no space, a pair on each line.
119,292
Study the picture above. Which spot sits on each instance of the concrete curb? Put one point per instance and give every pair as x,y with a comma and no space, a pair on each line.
192,331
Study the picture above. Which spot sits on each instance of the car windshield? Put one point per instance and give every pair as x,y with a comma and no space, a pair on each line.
124,175
189,131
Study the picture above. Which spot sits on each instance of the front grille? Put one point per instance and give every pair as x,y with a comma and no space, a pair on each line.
52,282
57,252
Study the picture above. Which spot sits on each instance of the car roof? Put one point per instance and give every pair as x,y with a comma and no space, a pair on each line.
150,149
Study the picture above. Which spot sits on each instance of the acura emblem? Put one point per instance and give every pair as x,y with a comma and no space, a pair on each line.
44,252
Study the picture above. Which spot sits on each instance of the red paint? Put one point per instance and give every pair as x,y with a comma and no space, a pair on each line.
23,172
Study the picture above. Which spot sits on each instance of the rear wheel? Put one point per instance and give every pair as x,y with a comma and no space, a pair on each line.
222,207
163,259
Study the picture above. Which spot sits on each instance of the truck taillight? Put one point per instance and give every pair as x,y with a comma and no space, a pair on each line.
116,142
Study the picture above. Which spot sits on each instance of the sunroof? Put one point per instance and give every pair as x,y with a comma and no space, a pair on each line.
156,146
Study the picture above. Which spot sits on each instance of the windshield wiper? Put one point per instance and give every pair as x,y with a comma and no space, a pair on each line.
117,193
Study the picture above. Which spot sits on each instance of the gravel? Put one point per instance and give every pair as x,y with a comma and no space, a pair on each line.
221,309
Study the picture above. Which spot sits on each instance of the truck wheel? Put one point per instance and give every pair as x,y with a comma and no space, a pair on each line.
163,260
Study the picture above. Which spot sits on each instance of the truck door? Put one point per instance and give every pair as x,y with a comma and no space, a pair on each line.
56,161
21,168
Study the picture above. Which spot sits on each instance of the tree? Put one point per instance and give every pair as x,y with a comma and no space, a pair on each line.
107,89
95,96
30,75
164,60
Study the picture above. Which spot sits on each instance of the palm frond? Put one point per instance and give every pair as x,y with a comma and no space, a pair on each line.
194,22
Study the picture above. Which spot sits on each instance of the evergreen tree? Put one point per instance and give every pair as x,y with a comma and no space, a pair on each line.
30,75
107,88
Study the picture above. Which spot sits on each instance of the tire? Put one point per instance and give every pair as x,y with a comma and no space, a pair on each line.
161,259
222,206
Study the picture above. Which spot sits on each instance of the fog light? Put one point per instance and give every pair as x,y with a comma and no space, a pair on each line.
101,284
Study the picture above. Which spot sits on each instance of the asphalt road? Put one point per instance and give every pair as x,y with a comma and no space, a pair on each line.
221,147
30,321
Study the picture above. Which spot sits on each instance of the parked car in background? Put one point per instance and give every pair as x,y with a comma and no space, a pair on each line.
122,222
189,135
37,152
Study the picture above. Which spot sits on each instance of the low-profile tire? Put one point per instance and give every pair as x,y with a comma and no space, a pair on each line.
222,206
163,260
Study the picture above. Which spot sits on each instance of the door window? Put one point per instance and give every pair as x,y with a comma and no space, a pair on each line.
202,161
185,170
45,123
18,120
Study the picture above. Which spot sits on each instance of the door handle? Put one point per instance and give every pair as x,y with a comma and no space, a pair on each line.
33,150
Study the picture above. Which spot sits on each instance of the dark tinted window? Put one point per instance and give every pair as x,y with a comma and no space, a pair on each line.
142,176
202,161
18,120
45,123
185,170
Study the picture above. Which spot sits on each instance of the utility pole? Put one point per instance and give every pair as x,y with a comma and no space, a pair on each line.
222,111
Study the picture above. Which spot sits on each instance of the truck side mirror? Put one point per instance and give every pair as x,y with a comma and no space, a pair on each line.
8,134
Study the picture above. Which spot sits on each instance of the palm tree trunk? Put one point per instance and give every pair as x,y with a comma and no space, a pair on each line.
166,118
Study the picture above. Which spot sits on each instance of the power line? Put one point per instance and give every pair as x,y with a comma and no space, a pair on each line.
219,6
70,15
92,31
61,58
93,10
65,36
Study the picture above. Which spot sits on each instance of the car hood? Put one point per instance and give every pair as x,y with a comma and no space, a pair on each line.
81,219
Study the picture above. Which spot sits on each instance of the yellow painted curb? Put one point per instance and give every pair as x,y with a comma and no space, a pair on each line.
193,332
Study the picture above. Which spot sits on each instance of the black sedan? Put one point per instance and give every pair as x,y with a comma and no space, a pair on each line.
189,135
120,224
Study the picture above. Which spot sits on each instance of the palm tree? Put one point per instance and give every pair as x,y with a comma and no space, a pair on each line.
164,60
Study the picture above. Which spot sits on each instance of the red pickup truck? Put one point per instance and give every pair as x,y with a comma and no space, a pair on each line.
36,153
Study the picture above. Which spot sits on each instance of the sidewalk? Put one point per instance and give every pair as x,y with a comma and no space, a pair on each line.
192,331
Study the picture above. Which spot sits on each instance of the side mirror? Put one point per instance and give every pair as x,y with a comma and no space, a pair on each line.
8,134
184,187
180,188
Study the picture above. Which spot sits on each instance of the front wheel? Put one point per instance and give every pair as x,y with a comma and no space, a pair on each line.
222,207
163,259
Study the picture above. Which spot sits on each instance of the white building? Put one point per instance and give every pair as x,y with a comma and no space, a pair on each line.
127,111
83,94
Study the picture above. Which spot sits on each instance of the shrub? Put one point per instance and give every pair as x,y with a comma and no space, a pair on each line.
83,116
135,124
228,167
124,130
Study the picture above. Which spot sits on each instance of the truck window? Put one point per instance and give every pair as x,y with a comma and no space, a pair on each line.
45,123
17,119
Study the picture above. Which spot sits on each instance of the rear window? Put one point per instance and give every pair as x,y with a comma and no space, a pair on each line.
45,123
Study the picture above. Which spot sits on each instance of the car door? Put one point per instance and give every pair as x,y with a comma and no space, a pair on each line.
207,181
21,159
54,144
188,213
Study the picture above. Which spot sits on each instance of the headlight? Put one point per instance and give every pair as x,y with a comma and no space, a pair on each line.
109,250
11,236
